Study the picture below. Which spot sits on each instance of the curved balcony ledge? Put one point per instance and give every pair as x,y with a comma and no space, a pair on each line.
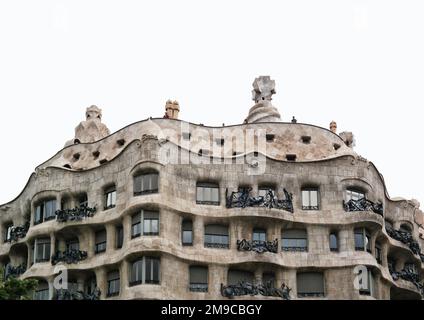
145,245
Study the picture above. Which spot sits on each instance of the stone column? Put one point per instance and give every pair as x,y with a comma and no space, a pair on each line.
198,232
101,281
91,242
110,237
217,275
125,278
30,255
52,244
127,227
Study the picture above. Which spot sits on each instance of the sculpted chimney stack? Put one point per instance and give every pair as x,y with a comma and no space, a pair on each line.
172,109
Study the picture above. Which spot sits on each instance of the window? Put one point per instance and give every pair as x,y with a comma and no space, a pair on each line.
270,137
216,236
45,211
42,292
310,199
207,193
113,283
362,240
306,139
291,157
146,183
72,244
237,276
294,240
136,225
268,278
353,194
259,235
334,242
198,279
150,225
187,233
119,236
366,284
110,198
145,270
263,191
136,276
8,232
152,270
100,245
310,284
186,135
405,228
83,200
42,250
378,252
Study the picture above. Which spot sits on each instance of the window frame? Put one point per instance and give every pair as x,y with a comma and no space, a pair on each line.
144,263
141,224
296,248
183,230
311,294
262,235
110,192
309,205
216,244
45,245
138,179
97,244
198,286
366,239
351,193
41,210
332,248
208,185
116,279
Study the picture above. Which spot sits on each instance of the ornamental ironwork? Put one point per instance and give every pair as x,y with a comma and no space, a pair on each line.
198,287
216,245
66,294
243,199
18,232
258,246
244,288
363,204
408,274
11,271
406,238
69,256
75,214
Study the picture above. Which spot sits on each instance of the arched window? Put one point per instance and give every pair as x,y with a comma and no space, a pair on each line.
187,233
334,242
216,236
146,182
362,240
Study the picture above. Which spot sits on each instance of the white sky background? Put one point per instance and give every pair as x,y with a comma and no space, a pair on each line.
360,63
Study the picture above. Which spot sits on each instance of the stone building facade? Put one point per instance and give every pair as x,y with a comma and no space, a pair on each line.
166,209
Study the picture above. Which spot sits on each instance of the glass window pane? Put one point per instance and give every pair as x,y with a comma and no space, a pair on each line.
305,198
313,198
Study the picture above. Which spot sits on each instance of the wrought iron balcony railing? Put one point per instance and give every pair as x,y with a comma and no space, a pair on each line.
408,275
258,246
66,294
243,199
244,288
69,256
18,232
11,271
198,287
75,214
217,245
363,204
406,238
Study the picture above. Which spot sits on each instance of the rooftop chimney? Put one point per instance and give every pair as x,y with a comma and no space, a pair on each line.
172,109
333,126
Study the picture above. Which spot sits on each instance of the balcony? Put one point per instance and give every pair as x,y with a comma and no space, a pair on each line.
11,271
18,232
257,246
244,288
409,275
406,238
243,199
363,204
65,294
69,256
76,214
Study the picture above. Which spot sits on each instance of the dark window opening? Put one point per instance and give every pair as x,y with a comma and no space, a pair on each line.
270,137
306,139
